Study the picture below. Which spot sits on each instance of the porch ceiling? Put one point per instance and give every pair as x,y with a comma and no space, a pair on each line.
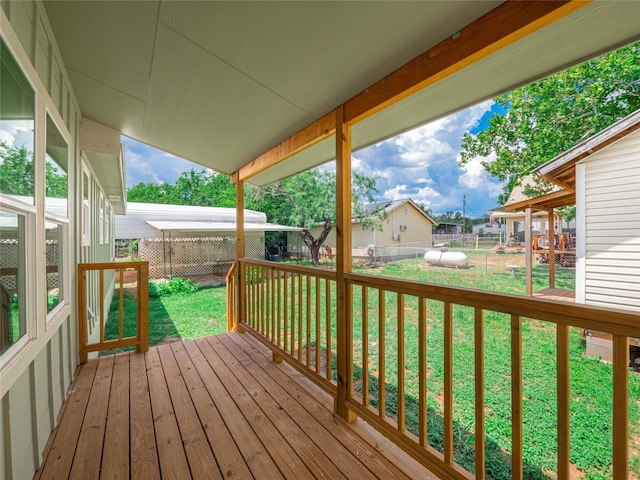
220,83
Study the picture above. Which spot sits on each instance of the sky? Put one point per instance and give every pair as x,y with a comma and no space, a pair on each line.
421,164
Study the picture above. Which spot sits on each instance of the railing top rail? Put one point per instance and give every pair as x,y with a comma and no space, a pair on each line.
312,271
613,321
232,271
110,265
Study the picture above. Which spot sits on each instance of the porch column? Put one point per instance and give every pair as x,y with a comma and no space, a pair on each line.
344,338
528,225
240,250
552,249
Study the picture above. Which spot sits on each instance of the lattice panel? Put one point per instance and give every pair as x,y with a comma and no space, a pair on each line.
195,256
9,259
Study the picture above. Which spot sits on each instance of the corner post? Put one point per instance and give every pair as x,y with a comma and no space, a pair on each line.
528,238
552,248
240,252
344,338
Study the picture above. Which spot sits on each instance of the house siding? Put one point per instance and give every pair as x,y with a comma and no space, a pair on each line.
612,225
34,383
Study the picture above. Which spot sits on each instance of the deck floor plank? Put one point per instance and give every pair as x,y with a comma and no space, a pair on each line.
217,407
144,454
297,436
115,454
173,459
289,463
202,463
336,427
58,460
86,463
254,452
228,456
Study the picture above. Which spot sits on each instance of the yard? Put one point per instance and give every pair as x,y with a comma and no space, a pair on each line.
175,317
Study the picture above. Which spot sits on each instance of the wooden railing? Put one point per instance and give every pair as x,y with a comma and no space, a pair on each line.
292,310
94,290
231,281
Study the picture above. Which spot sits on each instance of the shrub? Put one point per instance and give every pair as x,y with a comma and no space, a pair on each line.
175,286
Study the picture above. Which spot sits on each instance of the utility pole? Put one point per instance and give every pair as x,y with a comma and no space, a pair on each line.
464,205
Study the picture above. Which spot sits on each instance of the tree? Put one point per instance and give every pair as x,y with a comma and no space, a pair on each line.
193,187
548,117
17,174
309,199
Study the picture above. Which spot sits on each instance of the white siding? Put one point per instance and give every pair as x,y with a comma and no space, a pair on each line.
34,385
612,225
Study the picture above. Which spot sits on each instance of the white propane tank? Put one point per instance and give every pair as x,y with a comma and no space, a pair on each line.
444,258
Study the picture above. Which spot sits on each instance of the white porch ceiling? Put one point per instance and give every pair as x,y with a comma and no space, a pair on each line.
219,83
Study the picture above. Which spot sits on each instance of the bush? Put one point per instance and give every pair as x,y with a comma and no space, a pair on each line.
175,286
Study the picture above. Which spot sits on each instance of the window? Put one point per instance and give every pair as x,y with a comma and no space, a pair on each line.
107,220
56,166
406,210
17,198
101,219
55,248
86,206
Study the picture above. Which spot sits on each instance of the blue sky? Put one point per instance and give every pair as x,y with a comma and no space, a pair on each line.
421,164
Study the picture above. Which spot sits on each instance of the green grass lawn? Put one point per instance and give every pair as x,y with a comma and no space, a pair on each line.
177,317
173,317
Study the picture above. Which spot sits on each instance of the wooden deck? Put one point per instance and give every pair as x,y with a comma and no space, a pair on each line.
556,294
213,408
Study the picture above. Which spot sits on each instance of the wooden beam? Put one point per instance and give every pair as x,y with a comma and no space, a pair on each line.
305,138
552,248
344,332
499,28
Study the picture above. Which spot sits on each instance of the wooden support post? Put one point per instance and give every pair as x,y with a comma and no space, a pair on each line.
343,265
552,249
528,225
240,252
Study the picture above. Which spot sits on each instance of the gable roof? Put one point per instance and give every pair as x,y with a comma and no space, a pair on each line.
221,83
561,169
385,208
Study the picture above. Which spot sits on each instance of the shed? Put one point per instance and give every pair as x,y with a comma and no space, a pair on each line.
191,240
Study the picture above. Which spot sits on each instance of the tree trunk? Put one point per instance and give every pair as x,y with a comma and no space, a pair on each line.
314,244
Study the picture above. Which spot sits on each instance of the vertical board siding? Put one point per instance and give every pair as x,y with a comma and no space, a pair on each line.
612,208
30,408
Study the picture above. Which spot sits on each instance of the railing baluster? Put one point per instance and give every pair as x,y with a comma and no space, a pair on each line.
285,302
293,313
308,332
101,300
382,389
562,341
516,397
328,324
300,319
422,371
479,390
620,407
448,383
121,309
273,304
317,324
401,390
365,345
279,306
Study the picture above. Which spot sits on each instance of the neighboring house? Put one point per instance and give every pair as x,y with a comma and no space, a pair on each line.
604,172
402,223
191,240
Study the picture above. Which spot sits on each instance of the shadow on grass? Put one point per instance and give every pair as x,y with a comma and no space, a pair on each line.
161,327
498,462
